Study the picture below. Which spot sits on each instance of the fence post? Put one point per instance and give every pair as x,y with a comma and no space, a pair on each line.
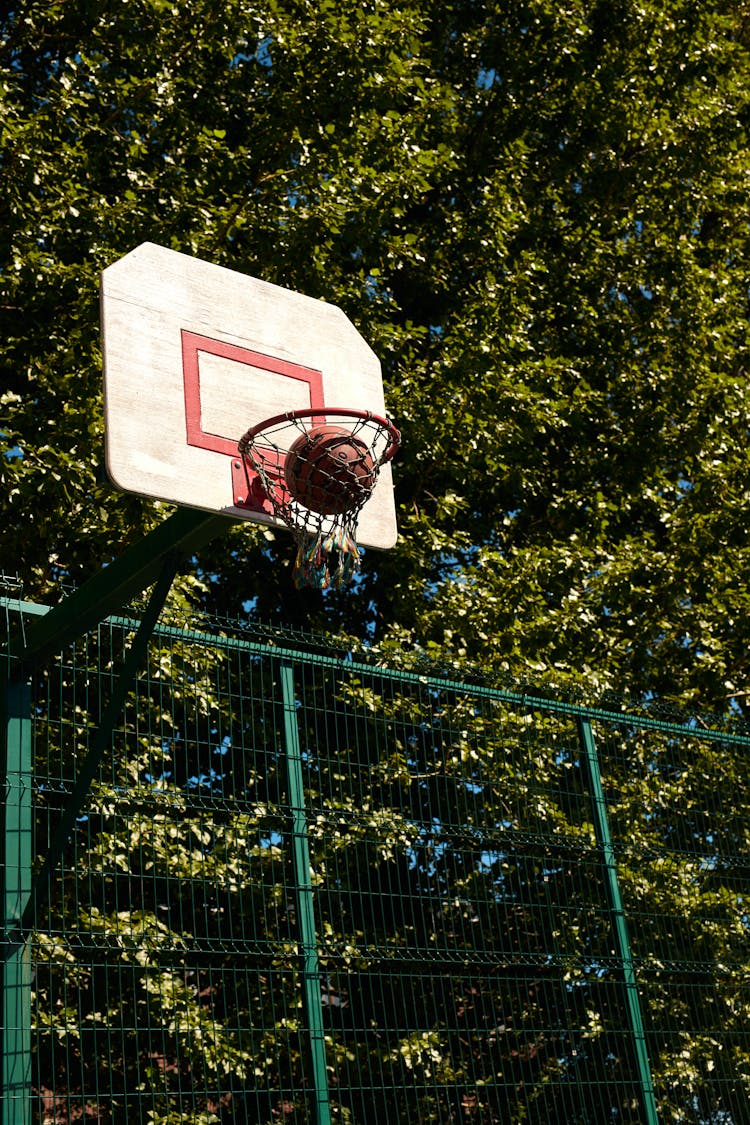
312,993
619,924
15,1095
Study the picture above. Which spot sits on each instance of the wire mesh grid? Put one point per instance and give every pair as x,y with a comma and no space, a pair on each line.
461,913
680,810
166,958
304,889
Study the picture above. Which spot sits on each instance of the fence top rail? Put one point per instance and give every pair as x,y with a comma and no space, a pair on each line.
286,647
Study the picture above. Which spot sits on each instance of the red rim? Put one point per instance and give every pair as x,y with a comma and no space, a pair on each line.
394,437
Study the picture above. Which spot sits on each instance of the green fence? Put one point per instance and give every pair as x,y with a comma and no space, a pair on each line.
306,888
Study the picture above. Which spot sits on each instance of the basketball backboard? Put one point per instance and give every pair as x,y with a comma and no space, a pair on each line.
196,354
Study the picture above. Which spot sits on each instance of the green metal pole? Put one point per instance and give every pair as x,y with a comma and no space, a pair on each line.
622,940
107,591
101,742
15,1096
312,993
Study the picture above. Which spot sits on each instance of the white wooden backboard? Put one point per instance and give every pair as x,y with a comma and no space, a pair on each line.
195,354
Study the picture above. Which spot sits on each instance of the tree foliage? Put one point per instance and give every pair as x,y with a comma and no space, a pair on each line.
536,213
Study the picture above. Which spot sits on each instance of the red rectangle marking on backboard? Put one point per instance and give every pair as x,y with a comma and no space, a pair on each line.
192,345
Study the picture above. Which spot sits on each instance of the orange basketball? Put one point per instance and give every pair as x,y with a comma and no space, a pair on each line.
329,470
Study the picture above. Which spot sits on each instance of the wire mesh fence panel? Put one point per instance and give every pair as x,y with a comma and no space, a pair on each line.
166,969
304,888
461,913
679,805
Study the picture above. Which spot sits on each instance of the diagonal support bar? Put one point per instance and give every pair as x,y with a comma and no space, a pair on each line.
101,743
183,533
155,558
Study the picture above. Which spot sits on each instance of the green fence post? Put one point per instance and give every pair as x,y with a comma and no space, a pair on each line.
619,924
15,1096
312,993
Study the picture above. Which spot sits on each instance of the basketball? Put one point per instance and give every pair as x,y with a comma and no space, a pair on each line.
329,470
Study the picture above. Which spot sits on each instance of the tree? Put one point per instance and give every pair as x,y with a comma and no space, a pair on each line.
536,214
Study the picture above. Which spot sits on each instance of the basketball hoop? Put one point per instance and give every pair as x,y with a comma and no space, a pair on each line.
318,468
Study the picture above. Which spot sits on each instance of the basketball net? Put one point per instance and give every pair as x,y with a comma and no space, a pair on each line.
318,469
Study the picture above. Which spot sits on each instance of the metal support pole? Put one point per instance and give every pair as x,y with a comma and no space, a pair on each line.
620,929
101,742
154,559
15,1093
184,532
312,993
